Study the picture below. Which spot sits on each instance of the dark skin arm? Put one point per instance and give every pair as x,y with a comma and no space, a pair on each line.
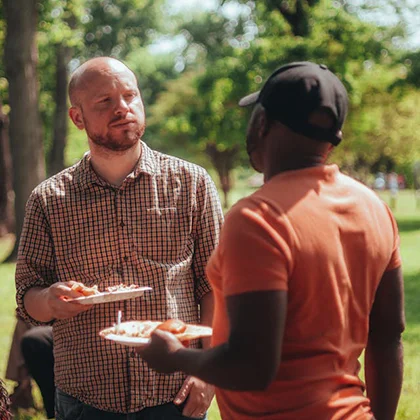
248,361
197,393
384,352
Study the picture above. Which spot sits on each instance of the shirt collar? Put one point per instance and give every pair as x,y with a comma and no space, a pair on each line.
147,164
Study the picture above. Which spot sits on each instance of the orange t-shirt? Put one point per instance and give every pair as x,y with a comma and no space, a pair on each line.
327,240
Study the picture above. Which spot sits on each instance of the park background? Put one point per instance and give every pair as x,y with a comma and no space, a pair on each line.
194,59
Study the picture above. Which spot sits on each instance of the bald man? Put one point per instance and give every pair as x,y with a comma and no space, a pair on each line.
123,214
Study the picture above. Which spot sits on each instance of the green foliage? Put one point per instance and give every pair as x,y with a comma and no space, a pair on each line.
361,53
191,93
118,27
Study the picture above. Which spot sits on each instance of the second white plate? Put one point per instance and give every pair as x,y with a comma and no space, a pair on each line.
192,332
104,297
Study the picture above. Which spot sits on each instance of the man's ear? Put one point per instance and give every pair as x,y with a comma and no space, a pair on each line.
76,116
328,151
263,124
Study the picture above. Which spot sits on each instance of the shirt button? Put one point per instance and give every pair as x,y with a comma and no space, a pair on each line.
126,258
122,224
323,66
132,354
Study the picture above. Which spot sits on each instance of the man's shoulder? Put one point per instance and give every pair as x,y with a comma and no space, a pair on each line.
172,164
253,205
58,183
358,187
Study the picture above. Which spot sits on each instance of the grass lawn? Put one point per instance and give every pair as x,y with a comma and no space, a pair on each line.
409,222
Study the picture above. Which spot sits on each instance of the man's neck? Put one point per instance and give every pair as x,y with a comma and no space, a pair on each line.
112,166
293,164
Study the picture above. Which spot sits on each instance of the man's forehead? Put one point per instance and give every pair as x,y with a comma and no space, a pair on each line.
102,81
104,73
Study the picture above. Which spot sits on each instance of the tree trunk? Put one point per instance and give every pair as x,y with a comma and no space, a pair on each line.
25,123
224,162
56,156
297,15
6,191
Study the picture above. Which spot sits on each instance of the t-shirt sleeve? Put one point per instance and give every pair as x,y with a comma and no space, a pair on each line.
256,251
395,260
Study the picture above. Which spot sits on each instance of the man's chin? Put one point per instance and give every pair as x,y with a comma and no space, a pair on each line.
120,147
115,145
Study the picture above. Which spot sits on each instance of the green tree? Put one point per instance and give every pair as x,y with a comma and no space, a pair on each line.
118,27
25,125
59,35
227,58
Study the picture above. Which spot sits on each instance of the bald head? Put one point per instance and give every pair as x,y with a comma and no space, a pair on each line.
83,75
106,103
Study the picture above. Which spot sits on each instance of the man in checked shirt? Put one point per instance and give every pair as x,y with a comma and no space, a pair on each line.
123,214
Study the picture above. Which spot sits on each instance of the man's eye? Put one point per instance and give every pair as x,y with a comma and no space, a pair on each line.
104,100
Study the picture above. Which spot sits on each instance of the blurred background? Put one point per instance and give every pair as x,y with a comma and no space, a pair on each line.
194,59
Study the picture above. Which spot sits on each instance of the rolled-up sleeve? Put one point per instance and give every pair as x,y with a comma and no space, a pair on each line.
207,231
36,264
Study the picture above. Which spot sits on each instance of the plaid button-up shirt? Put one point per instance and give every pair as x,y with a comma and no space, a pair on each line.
158,229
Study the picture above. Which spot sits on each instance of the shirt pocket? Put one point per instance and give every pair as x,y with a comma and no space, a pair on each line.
163,235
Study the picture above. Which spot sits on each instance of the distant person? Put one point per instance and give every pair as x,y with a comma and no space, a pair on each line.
31,357
401,181
17,371
393,189
306,276
123,214
380,182
38,354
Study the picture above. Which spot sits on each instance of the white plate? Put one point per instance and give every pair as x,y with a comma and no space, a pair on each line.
192,332
110,296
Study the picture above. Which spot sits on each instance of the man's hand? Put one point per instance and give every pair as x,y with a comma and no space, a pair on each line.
198,395
160,353
57,296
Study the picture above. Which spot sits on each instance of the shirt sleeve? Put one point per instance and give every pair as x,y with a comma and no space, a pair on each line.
209,219
256,251
36,263
395,259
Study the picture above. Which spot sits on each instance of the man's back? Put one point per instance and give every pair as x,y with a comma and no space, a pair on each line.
333,239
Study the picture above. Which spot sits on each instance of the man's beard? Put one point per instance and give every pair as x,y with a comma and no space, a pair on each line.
126,139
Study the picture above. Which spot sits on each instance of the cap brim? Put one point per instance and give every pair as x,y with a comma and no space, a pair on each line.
249,99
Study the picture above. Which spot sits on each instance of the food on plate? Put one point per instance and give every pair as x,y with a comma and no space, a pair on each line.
89,291
137,333
144,329
85,290
135,329
174,326
122,288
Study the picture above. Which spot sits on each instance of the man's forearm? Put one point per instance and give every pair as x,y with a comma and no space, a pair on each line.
36,304
223,367
384,376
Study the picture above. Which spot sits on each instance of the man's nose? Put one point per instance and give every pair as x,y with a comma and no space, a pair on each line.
121,106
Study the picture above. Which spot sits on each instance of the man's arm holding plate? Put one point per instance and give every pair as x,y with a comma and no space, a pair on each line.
38,294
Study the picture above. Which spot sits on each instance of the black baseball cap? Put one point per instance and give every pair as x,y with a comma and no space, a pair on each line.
296,90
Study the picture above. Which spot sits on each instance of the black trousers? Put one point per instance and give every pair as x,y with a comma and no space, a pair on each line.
37,350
